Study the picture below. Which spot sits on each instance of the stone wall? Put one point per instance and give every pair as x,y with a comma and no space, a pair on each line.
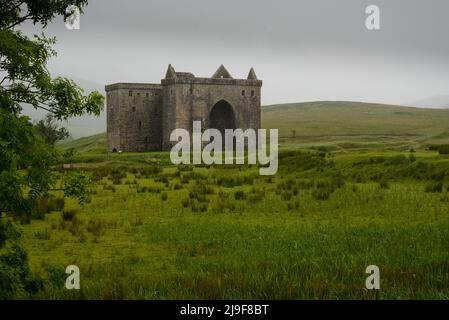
134,113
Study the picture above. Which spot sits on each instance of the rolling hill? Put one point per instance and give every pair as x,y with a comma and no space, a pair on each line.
338,125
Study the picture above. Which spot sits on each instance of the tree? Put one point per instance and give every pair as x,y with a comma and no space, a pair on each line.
26,161
50,131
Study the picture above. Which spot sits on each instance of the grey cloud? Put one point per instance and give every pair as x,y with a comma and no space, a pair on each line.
303,50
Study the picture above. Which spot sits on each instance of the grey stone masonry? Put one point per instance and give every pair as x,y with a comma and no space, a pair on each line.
141,116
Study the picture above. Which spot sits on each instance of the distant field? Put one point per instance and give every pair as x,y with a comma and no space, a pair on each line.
338,126
355,125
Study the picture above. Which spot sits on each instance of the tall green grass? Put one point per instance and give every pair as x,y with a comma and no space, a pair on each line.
212,232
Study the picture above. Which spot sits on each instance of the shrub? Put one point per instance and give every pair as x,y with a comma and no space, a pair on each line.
254,198
43,234
322,193
96,227
197,206
239,195
16,279
443,149
383,184
338,181
185,202
72,224
230,182
45,205
68,215
177,186
305,184
185,168
293,205
286,195
201,189
110,188
154,189
295,191
142,189
434,187
396,160
148,171
224,205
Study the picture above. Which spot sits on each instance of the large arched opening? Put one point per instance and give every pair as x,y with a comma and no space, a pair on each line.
222,117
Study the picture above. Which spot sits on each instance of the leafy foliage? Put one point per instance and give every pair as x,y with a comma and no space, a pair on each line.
50,131
27,159
77,186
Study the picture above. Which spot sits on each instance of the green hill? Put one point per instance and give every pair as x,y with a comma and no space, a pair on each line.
356,125
338,125
91,144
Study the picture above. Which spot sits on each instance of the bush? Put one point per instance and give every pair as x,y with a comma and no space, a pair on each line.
444,149
305,184
177,186
201,189
435,187
142,190
185,203
322,193
150,171
239,195
43,235
96,227
293,205
16,279
383,184
45,205
286,195
197,206
68,215
110,188
230,182
396,160
441,148
185,168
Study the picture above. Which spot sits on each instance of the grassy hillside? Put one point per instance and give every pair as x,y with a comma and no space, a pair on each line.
338,126
91,144
356,125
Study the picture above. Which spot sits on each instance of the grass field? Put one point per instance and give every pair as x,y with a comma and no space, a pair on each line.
349,193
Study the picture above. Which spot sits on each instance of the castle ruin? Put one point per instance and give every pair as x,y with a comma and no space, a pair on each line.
141,116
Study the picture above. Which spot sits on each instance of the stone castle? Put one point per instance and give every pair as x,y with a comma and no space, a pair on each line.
141,116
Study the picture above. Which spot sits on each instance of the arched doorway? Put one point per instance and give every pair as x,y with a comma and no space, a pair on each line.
222,117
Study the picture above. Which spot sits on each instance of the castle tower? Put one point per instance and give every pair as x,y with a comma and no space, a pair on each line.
141,117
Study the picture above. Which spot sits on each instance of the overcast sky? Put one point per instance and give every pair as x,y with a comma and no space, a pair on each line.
303,50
